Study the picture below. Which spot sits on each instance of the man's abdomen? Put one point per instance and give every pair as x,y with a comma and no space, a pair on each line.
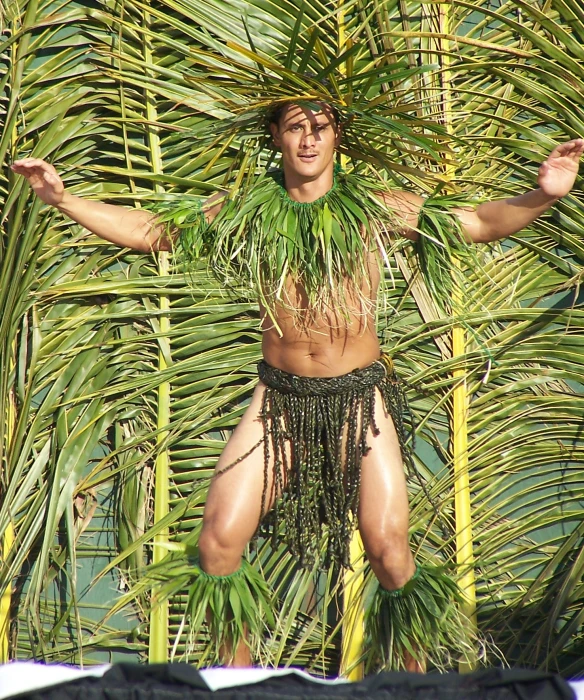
307,343
320,352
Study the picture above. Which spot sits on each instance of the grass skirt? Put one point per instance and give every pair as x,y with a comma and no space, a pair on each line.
315,438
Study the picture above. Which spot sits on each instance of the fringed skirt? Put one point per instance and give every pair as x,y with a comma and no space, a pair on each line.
315,436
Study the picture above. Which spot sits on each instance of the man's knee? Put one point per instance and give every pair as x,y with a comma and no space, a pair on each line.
220,548
389,551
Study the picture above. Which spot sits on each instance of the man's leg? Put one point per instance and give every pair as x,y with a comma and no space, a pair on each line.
408,626
384,511
383,505
232,510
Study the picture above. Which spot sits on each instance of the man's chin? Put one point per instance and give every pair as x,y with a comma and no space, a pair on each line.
308,171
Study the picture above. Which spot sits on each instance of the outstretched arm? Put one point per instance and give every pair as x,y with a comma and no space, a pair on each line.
497,219
129,228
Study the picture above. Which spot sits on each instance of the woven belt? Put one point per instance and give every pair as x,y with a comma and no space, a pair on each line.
324,386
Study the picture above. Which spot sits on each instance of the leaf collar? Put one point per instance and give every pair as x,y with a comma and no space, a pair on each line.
278,177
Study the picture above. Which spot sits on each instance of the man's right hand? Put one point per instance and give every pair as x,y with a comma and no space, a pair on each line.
43,179
129,228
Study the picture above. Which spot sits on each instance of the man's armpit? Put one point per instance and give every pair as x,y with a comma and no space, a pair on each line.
405,208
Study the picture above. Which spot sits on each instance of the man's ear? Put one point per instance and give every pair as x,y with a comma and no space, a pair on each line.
275,131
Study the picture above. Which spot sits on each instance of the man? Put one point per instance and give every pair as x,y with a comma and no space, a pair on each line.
267,454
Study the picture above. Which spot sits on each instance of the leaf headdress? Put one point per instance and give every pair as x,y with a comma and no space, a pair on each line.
242,86
261,238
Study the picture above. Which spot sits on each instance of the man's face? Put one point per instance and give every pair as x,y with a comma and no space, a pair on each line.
307,139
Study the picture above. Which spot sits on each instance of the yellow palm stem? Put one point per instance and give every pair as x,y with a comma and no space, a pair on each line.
158,639
353,624
462,502
462,495
7,544
5,601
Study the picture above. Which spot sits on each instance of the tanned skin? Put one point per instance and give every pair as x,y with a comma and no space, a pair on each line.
323,347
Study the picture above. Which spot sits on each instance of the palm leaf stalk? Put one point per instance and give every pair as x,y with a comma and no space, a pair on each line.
459,422
5,607
158,637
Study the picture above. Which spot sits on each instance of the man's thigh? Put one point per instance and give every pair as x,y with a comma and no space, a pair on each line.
383,504
235,495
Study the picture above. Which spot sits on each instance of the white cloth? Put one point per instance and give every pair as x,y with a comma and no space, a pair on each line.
26,676
217,678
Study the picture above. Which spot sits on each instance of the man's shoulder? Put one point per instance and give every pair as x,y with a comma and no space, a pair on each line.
214,204
401,201
405,209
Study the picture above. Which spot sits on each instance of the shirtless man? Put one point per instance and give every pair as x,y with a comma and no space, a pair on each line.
308,139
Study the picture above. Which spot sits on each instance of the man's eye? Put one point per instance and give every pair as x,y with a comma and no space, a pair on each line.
321,127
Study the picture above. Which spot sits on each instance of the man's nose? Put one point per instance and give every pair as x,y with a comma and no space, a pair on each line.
308,138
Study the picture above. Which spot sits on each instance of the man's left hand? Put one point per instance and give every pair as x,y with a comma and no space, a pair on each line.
557,174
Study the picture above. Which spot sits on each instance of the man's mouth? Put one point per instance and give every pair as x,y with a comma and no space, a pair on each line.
307,157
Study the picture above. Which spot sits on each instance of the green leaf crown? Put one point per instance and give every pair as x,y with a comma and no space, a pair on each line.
241,86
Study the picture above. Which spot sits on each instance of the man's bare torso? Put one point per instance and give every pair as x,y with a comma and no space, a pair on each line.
332,344
328,345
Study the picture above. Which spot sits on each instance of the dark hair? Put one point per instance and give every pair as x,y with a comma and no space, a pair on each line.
275,113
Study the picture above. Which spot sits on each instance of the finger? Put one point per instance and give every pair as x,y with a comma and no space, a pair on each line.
28,163
50,178
22,170
38,176
575,146
574,152
574,143
562,150
26,169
